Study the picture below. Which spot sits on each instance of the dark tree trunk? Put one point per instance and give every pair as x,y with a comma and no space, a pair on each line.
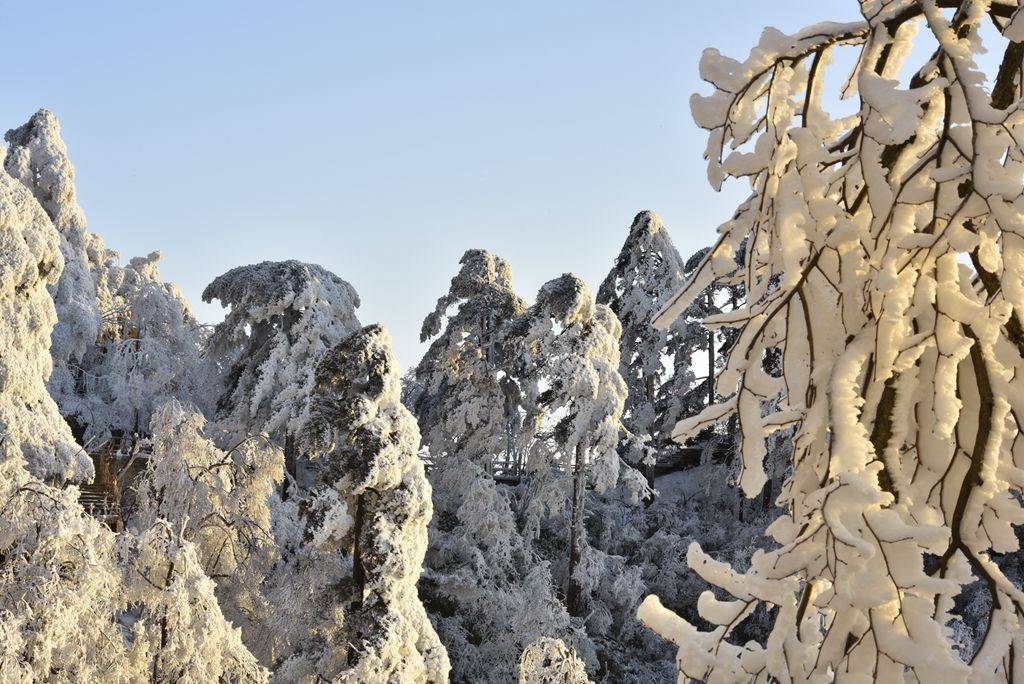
711,354
291,458
573,594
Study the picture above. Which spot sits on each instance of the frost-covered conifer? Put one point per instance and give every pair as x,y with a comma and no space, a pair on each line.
371,511
466,407
884,259
566,352
38,158
647,271
488,593
282,318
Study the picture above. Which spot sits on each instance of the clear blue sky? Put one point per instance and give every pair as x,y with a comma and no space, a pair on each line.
381,140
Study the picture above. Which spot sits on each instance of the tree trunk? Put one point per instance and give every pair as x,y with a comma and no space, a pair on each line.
290,464
573,594
711,354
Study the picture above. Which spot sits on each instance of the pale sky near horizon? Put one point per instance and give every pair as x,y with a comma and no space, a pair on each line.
382,140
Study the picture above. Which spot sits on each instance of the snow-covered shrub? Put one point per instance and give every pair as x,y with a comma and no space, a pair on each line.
550,661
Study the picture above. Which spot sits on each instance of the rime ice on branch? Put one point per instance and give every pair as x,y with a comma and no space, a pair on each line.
902,364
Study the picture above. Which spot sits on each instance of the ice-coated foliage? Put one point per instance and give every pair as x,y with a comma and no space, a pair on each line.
34,253
50,554
883,258
371,513
178,626
282,317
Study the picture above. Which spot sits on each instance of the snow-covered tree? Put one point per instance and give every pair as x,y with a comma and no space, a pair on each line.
37,157
466,407
68,598
50,554
647,271
217,500
124,342
373,508
566,353
149,351
282,318
884,260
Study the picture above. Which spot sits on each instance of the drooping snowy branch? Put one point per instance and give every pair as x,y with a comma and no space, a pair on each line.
900,362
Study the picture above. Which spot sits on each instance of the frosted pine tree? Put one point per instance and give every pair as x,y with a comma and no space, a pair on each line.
466,407
282,318
488,593
566,351
180,632
884,259
647,271
371,511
